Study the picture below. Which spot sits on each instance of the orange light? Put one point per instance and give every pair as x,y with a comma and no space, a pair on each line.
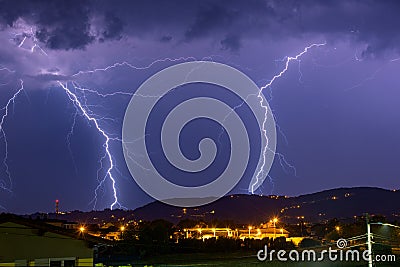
82,229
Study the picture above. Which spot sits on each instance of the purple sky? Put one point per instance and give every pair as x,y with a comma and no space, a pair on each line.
337,109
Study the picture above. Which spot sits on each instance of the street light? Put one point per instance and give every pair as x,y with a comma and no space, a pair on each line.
250,230
122,228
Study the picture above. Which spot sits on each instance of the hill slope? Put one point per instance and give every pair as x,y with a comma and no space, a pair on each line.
341,203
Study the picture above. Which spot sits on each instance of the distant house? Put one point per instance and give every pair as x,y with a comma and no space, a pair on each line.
254,233
70,225
107,225
63,224
260,233
25,242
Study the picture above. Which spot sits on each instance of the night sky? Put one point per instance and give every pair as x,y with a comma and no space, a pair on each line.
337,108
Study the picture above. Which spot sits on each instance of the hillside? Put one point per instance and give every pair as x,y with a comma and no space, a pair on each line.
342,203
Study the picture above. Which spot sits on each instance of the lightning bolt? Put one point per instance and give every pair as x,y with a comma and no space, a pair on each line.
11,101
109,173
129,65
6,69
80,103
288,60
83,108
28,35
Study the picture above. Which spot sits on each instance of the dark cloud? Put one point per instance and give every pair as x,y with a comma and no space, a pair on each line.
64,25
60,24
369,22
166,39
209,18
64,38
113,26
231,42
69,24
10,11
372,23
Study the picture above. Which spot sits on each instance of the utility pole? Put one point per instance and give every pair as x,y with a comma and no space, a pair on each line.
369,241
57,210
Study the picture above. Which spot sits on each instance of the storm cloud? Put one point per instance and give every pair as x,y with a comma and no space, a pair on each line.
77,24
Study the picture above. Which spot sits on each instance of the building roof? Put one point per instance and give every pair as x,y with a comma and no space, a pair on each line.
45,227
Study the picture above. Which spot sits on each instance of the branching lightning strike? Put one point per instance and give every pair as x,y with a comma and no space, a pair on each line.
11,101
83,108
74,99
129,65
261,171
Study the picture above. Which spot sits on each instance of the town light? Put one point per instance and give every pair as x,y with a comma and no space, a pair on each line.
275,220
